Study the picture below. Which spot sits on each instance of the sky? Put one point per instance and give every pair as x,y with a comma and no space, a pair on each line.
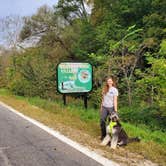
22,7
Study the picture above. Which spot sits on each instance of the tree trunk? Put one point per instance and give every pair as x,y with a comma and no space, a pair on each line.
129,92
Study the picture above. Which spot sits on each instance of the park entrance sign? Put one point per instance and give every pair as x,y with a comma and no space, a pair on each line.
74,77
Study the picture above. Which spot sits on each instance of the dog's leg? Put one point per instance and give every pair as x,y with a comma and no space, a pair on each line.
107,138
114,139
123,138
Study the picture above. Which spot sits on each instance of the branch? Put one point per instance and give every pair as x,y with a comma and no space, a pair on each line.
138,56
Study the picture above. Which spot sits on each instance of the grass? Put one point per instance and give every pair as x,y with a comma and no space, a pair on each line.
145,134
74,116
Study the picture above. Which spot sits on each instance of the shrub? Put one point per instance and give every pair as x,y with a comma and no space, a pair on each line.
96,97
150,116
21,87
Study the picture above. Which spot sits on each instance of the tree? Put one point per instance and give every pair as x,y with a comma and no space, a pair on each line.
125,57
87,42
39,23
71,10
153,82
49,27
11,26
153,78
35,74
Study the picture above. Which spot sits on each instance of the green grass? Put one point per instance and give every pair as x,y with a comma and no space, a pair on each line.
5,92
145,134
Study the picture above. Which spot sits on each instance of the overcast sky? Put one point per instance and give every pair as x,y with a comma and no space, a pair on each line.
22,7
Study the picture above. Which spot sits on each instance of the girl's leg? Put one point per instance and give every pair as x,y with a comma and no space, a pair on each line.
103,118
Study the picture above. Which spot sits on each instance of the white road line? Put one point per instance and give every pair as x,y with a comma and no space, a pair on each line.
100,159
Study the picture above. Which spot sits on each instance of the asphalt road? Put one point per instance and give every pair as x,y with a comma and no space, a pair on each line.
24,144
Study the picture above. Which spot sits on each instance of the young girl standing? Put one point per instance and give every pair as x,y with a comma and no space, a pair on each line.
108,104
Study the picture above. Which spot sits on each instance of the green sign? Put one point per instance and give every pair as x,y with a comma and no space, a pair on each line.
74,77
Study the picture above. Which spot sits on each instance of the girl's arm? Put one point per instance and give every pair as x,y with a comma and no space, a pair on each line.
116,103
101,103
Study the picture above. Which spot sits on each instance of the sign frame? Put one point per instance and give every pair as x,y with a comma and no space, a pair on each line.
73,62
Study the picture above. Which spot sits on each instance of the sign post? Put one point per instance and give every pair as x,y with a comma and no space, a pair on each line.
74,77
85,101
64,99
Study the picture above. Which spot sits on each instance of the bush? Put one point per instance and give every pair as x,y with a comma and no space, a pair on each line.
21,87
150,116
32,74
96,97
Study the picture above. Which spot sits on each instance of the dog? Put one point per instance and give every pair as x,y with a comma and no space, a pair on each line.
116,135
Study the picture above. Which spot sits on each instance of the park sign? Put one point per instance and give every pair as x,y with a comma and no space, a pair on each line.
74,77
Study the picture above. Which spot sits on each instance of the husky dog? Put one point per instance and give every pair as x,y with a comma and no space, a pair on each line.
116,135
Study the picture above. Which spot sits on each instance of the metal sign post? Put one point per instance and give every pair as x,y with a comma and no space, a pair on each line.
64,99
85,101
74,77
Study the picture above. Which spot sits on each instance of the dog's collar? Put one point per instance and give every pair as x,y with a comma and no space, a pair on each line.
112,124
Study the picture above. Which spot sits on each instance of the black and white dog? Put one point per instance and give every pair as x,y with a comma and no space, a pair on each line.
116,135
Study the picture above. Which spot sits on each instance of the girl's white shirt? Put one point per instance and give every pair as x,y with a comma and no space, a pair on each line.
108,99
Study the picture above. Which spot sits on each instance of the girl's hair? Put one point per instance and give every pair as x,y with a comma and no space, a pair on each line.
106,87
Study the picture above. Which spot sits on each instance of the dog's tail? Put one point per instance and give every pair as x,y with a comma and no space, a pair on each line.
135,139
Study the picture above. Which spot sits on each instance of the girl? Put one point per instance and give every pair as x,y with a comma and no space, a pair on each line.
108,104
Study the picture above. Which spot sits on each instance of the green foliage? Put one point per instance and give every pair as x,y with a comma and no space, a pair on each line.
87,42
144,133
22,87
25,32
34,75
37,24
96,97
70,10
163,48
148,116
153,81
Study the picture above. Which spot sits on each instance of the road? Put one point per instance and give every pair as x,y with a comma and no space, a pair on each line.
24,144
